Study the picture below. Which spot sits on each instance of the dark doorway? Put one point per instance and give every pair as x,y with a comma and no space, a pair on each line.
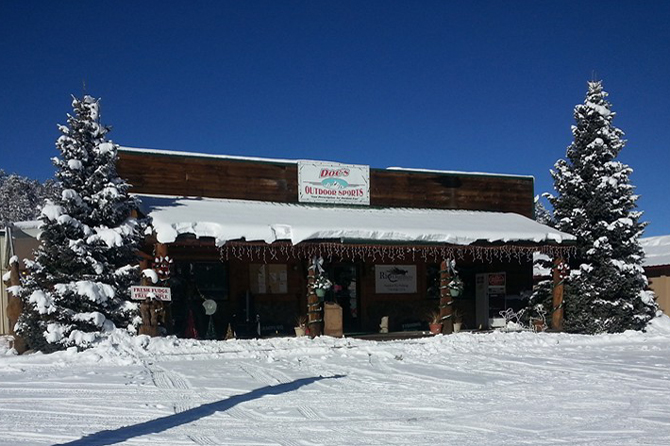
346,293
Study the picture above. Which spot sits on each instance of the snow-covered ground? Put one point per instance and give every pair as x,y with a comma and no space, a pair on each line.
464,389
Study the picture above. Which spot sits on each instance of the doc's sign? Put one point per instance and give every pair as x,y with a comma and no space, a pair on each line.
333,183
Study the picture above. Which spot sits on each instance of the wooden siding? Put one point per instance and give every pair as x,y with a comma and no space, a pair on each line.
156,173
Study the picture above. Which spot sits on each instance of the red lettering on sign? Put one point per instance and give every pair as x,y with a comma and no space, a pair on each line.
343,172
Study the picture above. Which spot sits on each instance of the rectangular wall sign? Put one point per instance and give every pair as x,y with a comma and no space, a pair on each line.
335,183
142,292
395,279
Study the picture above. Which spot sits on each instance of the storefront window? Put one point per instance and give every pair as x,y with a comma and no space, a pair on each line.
210,279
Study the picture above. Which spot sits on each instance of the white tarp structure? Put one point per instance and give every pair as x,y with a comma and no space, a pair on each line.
656,250
226,219
19,239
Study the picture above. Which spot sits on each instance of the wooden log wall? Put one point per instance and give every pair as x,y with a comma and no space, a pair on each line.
181,175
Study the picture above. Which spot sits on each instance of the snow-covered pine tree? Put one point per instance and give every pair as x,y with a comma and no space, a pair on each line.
596,202
540,300
542,214
21,198
79,284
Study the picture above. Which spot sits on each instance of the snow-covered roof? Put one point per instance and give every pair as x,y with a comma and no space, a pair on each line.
656,250
294,161
458,172
206,155
28,224
225,219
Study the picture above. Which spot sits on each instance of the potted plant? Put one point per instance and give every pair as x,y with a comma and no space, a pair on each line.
458,320
455,286
300,326
435,322
321,285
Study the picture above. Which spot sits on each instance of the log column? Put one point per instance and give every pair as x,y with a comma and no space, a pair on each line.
446,301
161,251
559,273
15,307
314,318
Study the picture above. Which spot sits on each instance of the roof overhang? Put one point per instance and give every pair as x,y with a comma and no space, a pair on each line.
227,220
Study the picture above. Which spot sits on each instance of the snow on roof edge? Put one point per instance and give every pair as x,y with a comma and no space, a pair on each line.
267,221
206,155
28,224
656,250
460,172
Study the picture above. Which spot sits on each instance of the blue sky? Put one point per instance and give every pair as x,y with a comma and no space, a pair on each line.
474,86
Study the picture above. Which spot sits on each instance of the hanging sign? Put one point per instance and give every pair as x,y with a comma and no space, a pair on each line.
335,183
497,284
156,292
395,279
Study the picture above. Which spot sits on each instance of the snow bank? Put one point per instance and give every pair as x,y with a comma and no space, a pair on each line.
119,347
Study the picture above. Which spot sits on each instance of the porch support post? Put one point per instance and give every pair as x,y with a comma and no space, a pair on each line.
161,250
314,318
446,302
559,273
162,253
144,264
15,307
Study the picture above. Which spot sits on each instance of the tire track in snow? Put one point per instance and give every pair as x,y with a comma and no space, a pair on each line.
309,413
173,385
181,390
261,375
203,439
167,380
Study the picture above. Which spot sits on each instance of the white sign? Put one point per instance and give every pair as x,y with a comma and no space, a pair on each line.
157,292
497,284
333,183
395,279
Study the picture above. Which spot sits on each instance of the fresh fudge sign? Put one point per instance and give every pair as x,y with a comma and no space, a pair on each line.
333,183
152,292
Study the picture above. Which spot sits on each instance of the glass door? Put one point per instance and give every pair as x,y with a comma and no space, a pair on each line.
345,292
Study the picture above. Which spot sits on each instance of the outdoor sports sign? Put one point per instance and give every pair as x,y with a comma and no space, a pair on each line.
334,183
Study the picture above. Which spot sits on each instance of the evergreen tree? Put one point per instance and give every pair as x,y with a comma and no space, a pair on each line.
79,283
21,198
542,214
596,203
539,303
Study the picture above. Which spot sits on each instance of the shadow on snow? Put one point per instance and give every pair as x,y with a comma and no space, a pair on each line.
162,424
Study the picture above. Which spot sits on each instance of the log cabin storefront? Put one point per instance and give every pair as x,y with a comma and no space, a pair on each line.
253,235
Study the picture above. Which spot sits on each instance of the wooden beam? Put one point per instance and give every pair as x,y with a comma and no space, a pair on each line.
559,273
15,307
314,318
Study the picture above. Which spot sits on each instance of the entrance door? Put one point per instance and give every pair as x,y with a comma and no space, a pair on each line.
345,278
